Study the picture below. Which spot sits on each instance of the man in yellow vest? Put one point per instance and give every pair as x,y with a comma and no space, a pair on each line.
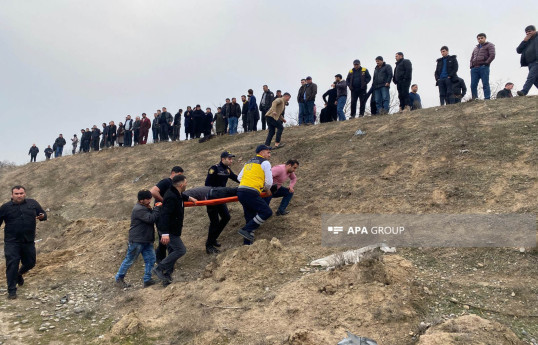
357,80
254,178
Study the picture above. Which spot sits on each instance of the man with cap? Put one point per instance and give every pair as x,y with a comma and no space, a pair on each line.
357,80
217,176
341,96
381,85
254,178
528,49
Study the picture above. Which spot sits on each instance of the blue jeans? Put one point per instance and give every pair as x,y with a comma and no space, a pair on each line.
232,123
256,209
309,112
478,73
301,113
532,78
340,108
59,151
135,248
283,193
382,98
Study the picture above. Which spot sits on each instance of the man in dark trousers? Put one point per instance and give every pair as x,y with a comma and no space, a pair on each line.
177,124
145,125
403,73
528,49
447,68
105,135
48,152
217,176
163,124
128,126
244,113
357,80
96,133
253,113
329,98
265,103
158,192
170,227
458,88
136,131
60,143
255,178
20,215
155,127
189,126
198,119
34,150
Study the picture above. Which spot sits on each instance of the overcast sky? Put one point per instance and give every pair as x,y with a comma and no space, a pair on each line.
67,65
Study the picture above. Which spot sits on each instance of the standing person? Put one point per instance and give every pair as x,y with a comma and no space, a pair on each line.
171,226
459,89
219,216
156,127
265,103
447,68
34,150
414,98
74,142
170,122
158,192
244,113
482,56
60,143
85,137
145,125
233,112
506,92
120,134
329,98
225,115
310,92
528,49
276,120
220,124
95,134
105,135
163,126
111,134
254,178
198,118
253,113
341,96
141,238
281,173
381,85
403,73
48,152
177,125
20,215
357,80
300,101
208,122
128,130
189,126
136,131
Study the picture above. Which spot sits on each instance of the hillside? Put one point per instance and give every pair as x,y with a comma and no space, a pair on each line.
476,157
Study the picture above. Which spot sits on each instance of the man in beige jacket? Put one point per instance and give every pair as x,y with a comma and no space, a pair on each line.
275,120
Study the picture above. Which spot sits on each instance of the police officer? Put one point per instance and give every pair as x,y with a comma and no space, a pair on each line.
217,176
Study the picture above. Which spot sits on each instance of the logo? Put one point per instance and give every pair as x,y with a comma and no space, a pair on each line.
336,229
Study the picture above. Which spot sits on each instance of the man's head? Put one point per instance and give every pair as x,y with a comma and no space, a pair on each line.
243,98
207,110
164,109
158,112
530,29
189,108
177,170
143,115
234,100
292,165
509,86
399,56
309,80
250,92
48,146
61,135
227,158
278,93
82,131
286,97
227,100
265,88
481,38
87,129
414,88
338,78
94,127
144,197
303,81
18,194
33,145
357,64
137,118
444,51
219,109
111,123
179,182
264,151
379,61
104,125
128,117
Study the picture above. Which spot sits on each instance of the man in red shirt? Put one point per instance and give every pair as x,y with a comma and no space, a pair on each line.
281,173
145,125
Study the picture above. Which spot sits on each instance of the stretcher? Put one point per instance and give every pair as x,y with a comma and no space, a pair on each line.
214,202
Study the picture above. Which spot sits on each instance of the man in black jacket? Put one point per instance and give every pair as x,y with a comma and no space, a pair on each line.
528,49
60,143
244,113
403,73
177,124
198,119
459,88
506,92
447,68
217,176
96,133
105,135
170,227
163,124
357,80
48,152
20,215
136,130
265,103
141,238
34,150
381,85
233,113
329,98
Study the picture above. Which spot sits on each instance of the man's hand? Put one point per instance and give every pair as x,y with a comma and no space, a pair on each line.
335,102
165,239
268,193
41,216
292,190
527,36
193,200
387,84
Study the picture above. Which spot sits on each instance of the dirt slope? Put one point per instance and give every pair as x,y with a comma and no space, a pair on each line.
475,157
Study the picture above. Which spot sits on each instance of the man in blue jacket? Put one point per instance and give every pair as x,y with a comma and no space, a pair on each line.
447,68
528,49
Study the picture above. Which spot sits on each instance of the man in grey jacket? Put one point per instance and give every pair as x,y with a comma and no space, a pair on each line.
141,238
341,96
528,49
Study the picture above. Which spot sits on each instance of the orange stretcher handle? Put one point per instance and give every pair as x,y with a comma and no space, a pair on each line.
216,201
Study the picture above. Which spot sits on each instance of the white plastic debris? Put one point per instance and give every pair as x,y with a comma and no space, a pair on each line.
352,339
351,256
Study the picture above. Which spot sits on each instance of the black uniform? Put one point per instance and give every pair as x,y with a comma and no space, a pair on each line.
19,237
219,216
163,185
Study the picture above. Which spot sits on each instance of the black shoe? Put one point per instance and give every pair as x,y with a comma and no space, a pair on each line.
166,283
279,146
209,249
521,93
122,284
12,295
20,280
159,273
149,283
278,213
248,235
216,244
